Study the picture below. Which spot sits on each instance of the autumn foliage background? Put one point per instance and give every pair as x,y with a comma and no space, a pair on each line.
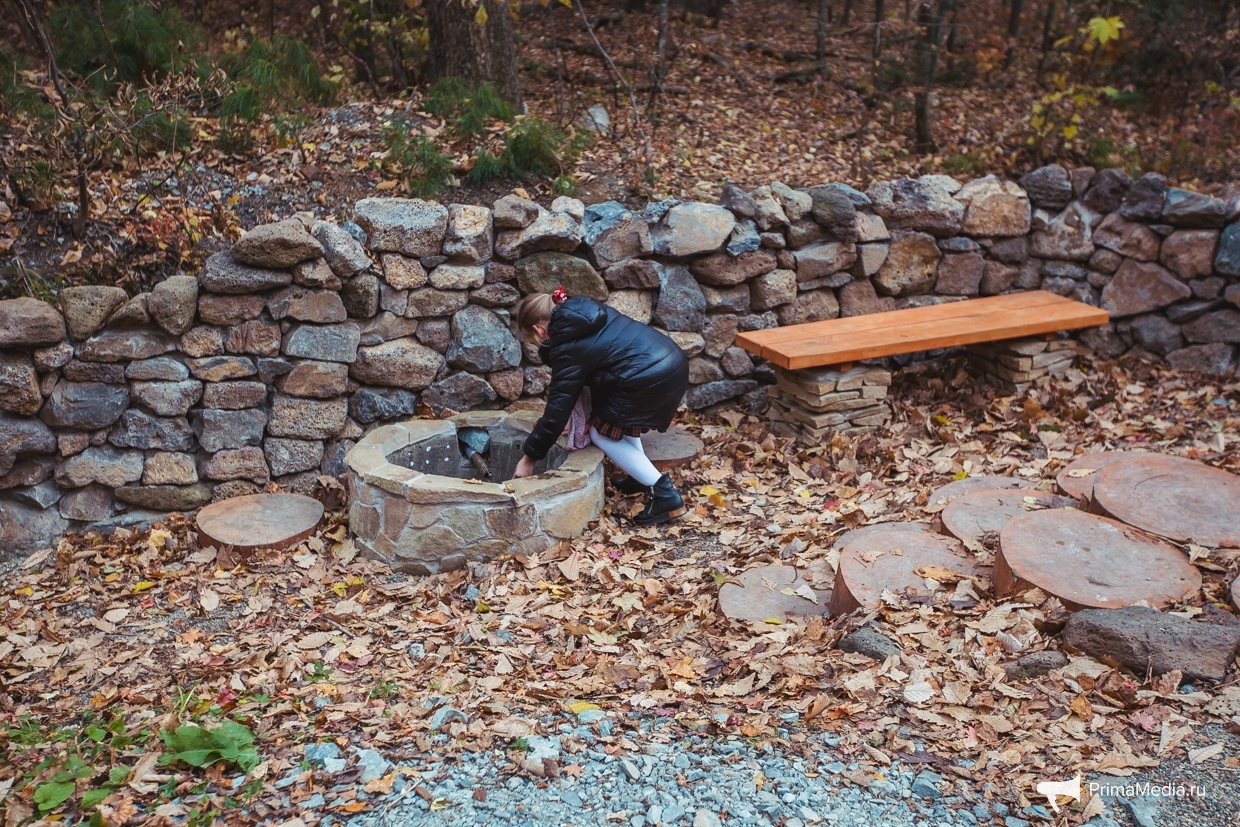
164,127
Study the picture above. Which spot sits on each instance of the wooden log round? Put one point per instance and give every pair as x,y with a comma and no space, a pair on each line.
672,448
958,488
762,596
1172,497
972,516
1089,562
876,528
276,521
1078,476
890,561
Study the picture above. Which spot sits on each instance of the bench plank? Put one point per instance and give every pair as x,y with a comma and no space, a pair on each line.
921,328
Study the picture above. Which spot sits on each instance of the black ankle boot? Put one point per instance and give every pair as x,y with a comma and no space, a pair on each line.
664,506
627,486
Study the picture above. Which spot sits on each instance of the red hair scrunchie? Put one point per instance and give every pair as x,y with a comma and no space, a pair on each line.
559,296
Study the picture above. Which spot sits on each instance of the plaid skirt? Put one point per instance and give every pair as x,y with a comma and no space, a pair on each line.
613,432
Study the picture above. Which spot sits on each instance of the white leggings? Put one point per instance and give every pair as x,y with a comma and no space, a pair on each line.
628,455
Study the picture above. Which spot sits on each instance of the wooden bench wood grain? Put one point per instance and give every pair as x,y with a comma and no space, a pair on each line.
915,329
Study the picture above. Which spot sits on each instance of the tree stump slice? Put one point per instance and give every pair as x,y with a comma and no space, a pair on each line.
974,515
671,449
958,488
759,597
1089,562
1075,482
1172,497
257,521
888,561
877,528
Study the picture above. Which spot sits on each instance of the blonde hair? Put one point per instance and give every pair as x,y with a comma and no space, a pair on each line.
533,309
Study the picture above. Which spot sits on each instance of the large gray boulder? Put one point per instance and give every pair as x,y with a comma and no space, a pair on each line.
1183,208
87,307
470,234
306,305
692,229
408,226
173,302
399,363
85,406
345,255
911,265
368,405
223,274
681,305
26,528
104,465
278,245
544,272
222,430
1048,187
555,231
1140,287
995,208
724,270
925,205
138,429
325,343
1146,639
19,385
458,392
481,343
614,233
1144,200
167,398
27,322
307,418
1069,236
22,437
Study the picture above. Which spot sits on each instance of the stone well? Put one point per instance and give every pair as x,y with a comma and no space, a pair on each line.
419,505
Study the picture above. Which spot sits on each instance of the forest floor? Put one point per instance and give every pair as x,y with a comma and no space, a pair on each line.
737,106
121,655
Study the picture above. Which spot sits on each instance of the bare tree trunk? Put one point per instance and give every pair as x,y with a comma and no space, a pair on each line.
462,48
846,15
824,11
1047,39
660,71
930,19
1013,30
880,17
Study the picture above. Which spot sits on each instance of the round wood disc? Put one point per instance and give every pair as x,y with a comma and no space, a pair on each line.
981,512
1173,497
958,488
1089,561
889,561
877,528
670,449
763,595
1078,476
259,521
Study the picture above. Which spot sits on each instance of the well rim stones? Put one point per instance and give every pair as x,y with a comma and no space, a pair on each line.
426,523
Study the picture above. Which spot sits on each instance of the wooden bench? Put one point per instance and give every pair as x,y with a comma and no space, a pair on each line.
844,341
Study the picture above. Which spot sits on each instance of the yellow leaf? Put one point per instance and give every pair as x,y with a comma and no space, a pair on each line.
384,186
804,494
1069,132
1103,29
774,621
708,490
481,17
142,586
578,707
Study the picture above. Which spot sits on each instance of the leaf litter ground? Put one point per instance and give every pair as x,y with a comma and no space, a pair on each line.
107,642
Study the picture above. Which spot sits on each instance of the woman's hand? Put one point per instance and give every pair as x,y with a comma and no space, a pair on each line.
525,467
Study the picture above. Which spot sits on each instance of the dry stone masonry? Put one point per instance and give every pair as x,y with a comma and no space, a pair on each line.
282,353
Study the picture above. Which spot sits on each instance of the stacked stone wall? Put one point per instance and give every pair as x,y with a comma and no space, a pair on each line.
284,351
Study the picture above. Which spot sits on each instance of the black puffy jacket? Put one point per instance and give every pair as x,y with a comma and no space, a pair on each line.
636,375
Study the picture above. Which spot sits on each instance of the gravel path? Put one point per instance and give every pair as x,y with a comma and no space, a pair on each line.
707,782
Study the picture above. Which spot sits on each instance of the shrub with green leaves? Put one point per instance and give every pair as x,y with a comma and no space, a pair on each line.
199,747
416,160
122,41
467,111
